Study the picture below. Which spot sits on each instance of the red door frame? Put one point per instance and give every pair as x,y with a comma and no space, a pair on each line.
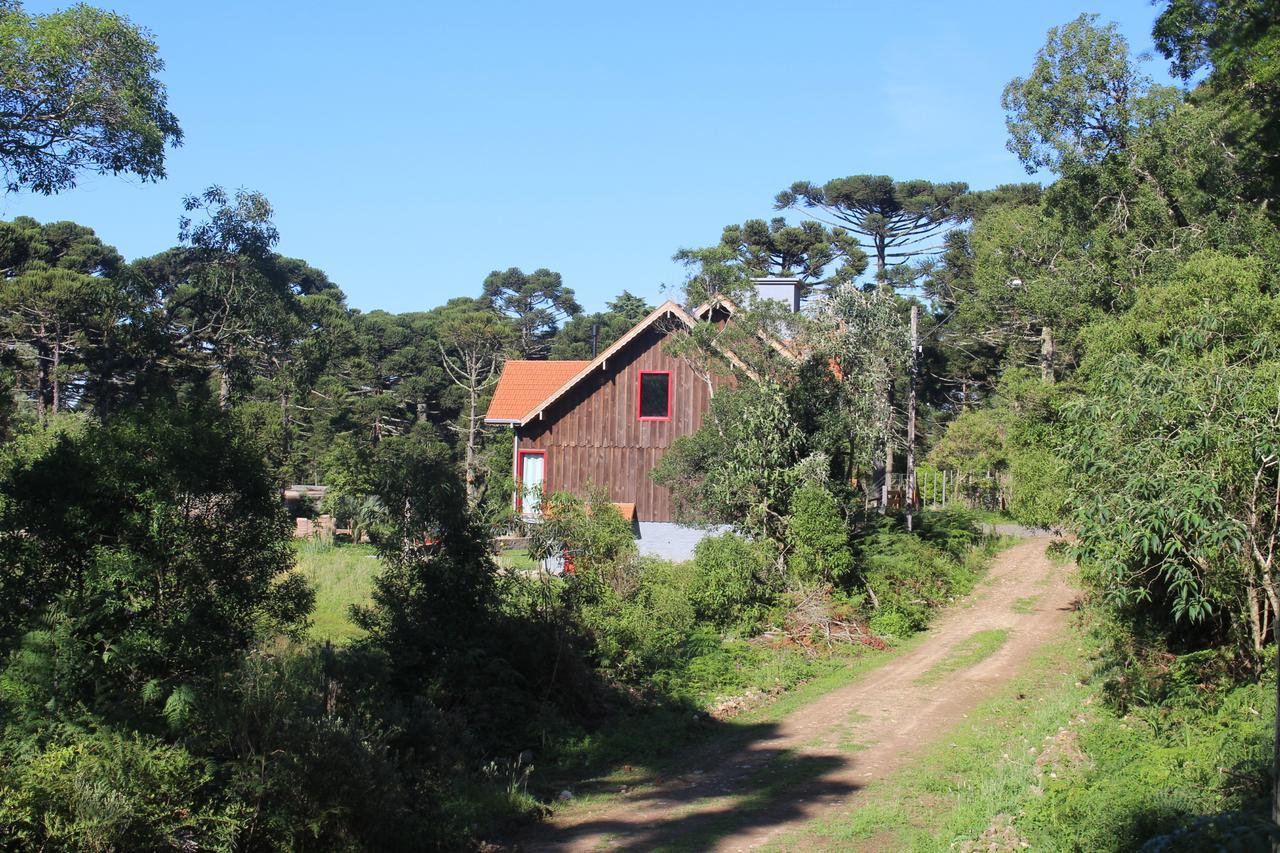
640,391
520,455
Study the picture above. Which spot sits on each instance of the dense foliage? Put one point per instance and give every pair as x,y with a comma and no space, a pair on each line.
1104,347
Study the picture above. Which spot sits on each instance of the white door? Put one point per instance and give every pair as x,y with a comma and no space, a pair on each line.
533,468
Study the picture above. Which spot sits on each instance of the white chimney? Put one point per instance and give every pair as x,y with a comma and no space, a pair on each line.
785,290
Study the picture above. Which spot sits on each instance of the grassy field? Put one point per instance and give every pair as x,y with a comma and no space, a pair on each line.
517,558
341,575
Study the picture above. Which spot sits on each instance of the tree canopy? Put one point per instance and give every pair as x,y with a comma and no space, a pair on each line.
79,91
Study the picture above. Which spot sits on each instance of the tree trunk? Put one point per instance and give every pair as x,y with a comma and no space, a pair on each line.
285,424
888,459
1048,353
910,497
224,381
1275,753
470,459
1257,632
43,357
54,381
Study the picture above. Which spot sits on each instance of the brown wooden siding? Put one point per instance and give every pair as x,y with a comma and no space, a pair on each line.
593,436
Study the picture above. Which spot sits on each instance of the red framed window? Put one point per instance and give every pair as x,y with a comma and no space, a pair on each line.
531,480
653,397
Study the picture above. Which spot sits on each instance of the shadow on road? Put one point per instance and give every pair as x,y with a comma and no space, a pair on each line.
761,787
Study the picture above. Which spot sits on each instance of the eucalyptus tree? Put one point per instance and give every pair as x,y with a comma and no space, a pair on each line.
863,337
897,221
79,91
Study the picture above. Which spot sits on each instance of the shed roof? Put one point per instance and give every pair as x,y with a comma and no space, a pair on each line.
525,384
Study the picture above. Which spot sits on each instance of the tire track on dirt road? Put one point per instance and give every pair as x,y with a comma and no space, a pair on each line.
818,757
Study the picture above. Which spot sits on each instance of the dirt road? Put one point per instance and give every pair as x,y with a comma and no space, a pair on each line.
817,758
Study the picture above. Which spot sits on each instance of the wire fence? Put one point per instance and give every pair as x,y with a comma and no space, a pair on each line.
936,489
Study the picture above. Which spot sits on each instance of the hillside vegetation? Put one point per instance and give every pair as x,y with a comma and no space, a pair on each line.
1097,355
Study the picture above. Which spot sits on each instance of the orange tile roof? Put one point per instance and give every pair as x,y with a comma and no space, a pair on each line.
525,384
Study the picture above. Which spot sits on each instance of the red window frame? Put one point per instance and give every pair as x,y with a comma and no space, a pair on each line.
640,394
520,455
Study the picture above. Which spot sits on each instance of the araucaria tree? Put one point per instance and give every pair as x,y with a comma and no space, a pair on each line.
535,303
473,345
79,92
811,252
897,220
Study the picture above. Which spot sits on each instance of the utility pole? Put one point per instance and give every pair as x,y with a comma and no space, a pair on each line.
912,374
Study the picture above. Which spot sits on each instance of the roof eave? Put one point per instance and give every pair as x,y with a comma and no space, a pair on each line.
662,310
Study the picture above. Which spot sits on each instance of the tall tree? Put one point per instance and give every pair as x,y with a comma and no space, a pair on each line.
79,92
897,220
807,251
536,303
473,345
862,335
59,306
1084,99
225,306
1239,40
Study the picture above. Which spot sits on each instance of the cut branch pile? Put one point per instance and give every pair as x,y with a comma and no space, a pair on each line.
817,622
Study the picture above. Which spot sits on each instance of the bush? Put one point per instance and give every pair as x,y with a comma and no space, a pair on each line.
1150,774
1037,491
647,630
909,576
727,584
818,538
112,791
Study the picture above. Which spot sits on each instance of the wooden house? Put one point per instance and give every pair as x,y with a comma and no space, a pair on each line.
606,422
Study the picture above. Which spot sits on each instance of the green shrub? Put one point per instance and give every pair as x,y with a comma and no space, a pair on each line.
892,622
727,585
112,791
647,630
909,576
1149,775
1037,490
818,538
954,531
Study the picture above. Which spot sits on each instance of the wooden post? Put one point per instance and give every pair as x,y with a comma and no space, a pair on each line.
910,499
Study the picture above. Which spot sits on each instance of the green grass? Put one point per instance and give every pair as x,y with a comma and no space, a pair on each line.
1026,605
341,575
517,558
972,650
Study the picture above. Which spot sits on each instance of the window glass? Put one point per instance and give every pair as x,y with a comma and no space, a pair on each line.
655,395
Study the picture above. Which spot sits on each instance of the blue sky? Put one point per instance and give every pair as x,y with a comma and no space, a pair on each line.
411,148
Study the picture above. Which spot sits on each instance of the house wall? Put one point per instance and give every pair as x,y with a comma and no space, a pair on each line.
592,435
